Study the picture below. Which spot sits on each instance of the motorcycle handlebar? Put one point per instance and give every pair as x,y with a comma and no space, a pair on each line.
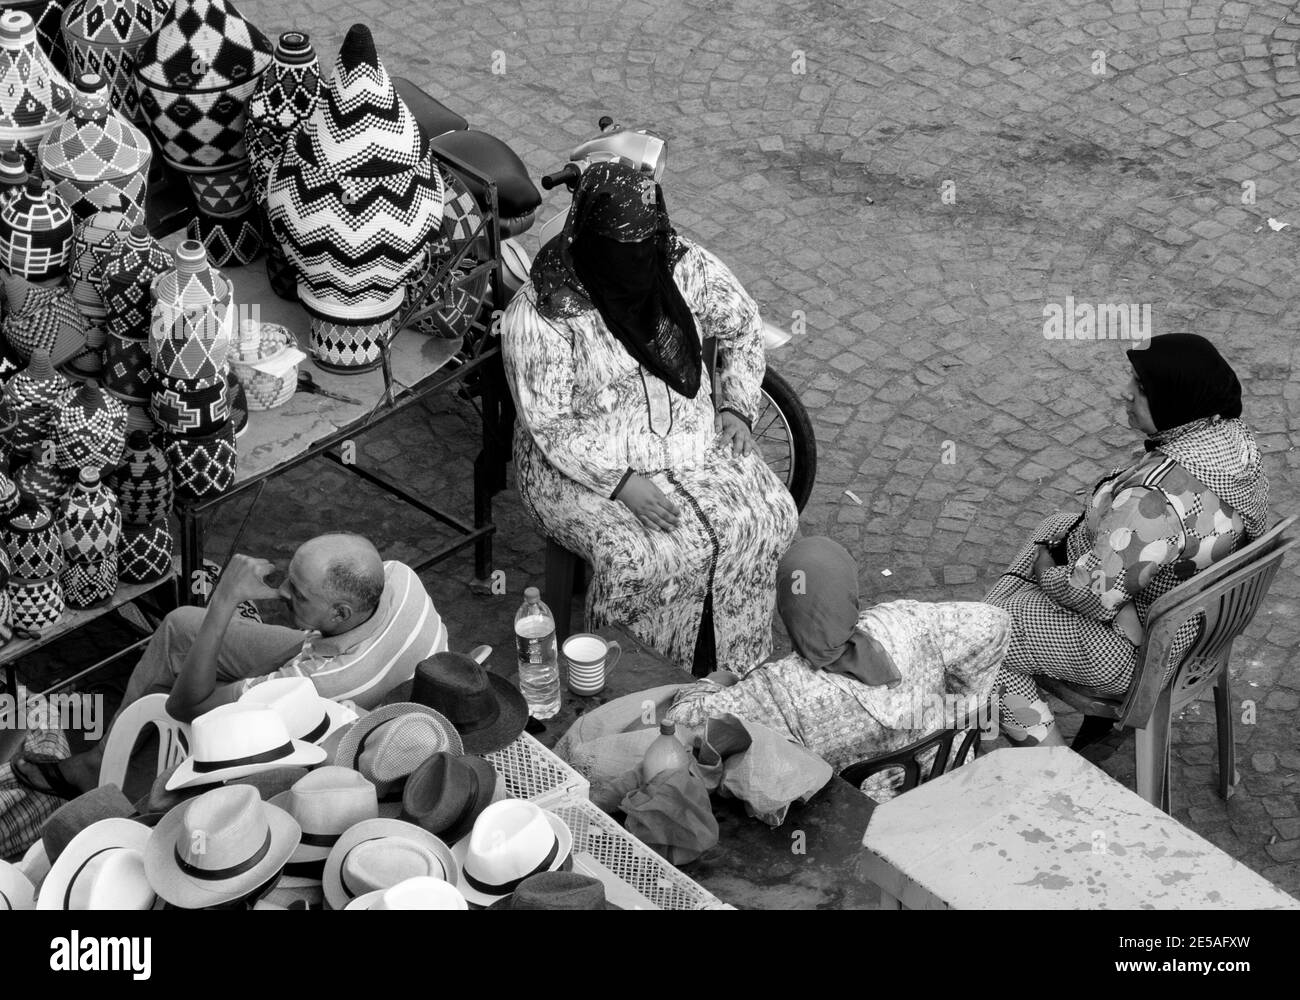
570,172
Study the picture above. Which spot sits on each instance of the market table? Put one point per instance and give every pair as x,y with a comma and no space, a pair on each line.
812,861
1041,828
313,425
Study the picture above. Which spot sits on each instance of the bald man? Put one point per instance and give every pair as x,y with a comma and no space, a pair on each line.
367,623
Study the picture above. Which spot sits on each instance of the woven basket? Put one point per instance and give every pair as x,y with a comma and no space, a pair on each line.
265,392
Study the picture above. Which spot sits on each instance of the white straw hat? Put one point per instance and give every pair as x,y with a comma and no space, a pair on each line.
236,740
511,841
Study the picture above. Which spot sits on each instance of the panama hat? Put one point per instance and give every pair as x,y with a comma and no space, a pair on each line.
101,868
307,715
379,853
35,864
419,893
557,891
236,740
104,802
487,710
512,840
325,803
219,847
389,743
446,794
16,889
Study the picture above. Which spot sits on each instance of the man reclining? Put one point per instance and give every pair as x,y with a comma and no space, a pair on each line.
367,622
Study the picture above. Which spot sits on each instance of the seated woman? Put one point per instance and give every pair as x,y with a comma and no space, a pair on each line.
1080,591
621,455
861,682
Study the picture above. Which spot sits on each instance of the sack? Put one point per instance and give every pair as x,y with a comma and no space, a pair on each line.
671,814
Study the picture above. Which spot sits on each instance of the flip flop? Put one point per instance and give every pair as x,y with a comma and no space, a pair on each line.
57,786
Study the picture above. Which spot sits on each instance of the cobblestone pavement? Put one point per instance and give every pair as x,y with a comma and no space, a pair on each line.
909,185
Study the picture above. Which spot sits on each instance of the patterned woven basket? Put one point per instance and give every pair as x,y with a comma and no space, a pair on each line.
203,468
88,584
145,554
35,605
260,342
31,537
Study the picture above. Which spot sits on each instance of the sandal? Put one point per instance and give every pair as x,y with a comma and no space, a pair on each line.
56,785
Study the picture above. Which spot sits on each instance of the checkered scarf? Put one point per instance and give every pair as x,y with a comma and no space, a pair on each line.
1224,456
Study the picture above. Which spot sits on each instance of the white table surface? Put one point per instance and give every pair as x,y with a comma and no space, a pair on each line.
1041,828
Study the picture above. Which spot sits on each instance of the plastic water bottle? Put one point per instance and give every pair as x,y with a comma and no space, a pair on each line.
539,664
665,753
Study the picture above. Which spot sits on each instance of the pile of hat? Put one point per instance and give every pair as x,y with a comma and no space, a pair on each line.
290,800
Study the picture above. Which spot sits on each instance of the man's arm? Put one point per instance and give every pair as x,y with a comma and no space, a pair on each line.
196,690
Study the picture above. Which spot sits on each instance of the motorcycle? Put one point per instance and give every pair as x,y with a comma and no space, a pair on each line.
462,294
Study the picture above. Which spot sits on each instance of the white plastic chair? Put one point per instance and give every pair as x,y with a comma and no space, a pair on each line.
173,738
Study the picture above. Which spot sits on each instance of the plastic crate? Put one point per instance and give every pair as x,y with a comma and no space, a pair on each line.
635,877
532,772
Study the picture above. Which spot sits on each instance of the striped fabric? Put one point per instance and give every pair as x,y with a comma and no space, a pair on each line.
363,665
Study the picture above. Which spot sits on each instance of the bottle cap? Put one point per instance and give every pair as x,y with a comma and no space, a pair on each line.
668,728
532,594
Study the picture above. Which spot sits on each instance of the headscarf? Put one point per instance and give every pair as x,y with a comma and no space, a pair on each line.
1185,378
617,251
817,598
1195,401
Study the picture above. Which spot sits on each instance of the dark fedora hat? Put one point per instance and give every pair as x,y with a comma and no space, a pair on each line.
447,792
557,891
104,802
487,710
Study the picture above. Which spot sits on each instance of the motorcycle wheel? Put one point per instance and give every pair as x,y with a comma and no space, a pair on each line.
785,436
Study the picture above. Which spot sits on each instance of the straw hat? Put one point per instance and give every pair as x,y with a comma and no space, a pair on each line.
219,847
239,739
376,854
16,889
389,743
419,893
101,868
446,794
488,711
512,840
307,715
557,891
326,803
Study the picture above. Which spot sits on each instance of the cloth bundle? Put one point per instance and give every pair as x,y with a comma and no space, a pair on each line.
735,757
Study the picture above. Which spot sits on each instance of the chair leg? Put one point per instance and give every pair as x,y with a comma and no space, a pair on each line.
561,564
1223,725
1151,747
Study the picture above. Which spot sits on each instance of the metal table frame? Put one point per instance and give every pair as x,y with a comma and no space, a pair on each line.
495,414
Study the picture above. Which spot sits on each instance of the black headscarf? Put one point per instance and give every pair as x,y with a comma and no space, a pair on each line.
617,251
1185,378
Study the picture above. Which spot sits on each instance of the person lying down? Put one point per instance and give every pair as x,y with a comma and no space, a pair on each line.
861,682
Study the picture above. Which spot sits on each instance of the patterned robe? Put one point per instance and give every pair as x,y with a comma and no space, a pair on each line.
1145,530
589,412
948,655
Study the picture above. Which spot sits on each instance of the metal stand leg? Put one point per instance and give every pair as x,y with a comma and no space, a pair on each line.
191,559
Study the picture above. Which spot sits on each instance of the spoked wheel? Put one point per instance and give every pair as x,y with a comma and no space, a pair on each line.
784,435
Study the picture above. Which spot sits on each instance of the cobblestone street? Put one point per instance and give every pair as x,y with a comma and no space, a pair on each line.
908,186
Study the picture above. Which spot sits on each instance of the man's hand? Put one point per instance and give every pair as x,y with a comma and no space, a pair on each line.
645,500
244,579
731,430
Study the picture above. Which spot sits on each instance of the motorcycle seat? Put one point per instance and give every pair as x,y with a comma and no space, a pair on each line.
517,198
434,116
